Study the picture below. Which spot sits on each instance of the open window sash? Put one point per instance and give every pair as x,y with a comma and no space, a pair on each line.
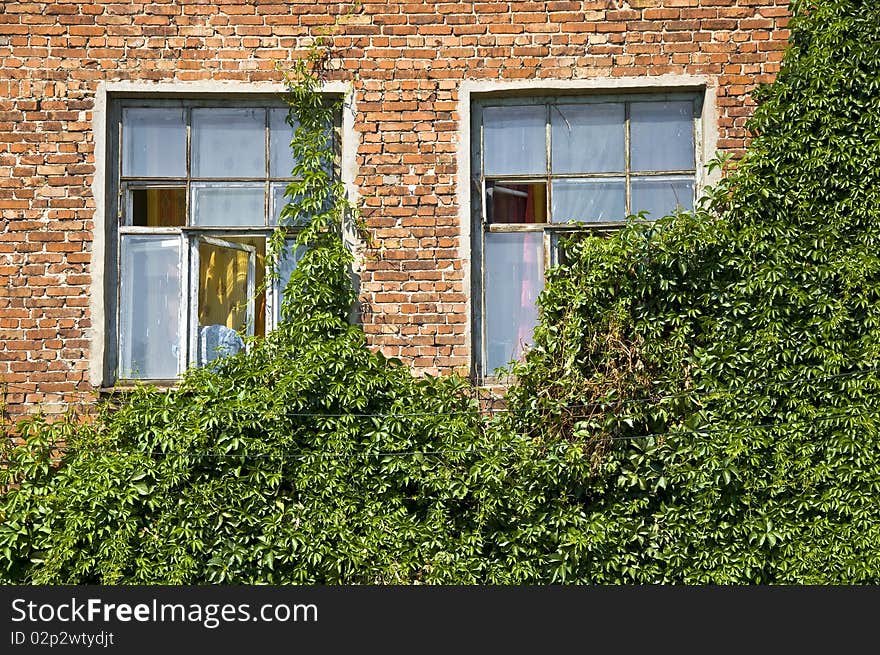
150,315
222,279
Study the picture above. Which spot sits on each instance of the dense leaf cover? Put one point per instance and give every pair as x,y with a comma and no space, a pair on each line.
731,356
701,404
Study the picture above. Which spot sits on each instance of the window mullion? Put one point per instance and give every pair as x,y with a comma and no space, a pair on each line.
250,318
183,307
187,346
516,227
189,200
548,153
266,186
483,264
626,158
119,205
547,249
192,304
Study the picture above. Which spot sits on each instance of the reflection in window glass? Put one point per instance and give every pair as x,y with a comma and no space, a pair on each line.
154,142
662,136
514,276
228,204
286,266
149,304
588,138
660,196
280,135
228,142
602,199
515,141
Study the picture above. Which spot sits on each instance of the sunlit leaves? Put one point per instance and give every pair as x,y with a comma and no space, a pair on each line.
701,404
746,335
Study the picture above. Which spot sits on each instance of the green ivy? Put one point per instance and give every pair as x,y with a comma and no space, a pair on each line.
700,406
724,364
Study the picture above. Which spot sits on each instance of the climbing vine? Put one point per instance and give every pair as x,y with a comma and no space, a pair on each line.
701,403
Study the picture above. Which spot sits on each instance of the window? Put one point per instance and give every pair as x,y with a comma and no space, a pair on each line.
543,166
199,186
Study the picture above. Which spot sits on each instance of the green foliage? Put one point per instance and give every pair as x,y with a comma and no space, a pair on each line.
727,362
271,469
308,459
701,404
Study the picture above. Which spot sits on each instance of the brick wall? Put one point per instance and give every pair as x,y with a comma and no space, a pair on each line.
405,62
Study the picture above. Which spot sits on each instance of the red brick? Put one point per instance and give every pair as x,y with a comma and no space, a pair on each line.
405,61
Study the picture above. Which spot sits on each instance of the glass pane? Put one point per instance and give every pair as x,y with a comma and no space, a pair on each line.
149,302
589,200
279,200
662,136
222,204
514,140
587,138
258,243
660,196
157,207
228,142
280,136
508,202
153,142
286,266
224,287
514,277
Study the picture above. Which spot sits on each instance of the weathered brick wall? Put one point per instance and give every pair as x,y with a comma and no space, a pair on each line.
405,62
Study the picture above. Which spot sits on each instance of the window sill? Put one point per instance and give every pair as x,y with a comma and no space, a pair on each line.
128,386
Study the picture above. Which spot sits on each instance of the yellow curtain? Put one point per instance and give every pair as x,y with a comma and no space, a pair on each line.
223,285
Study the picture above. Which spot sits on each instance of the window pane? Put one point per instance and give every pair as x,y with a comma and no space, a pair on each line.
149,301
157,207
153,142
514,140
228,142
589,200
514,277
662,195
225,286
662,136
258,243
220,204
508,202
279,200
280,136
587,138
286,266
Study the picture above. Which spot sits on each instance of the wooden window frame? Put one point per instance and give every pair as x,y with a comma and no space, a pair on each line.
189,234
552,231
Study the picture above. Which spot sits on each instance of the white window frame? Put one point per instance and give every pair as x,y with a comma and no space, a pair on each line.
477,95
